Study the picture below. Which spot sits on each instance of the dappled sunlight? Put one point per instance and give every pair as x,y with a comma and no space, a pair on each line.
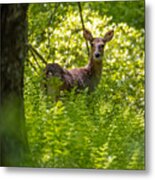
102,130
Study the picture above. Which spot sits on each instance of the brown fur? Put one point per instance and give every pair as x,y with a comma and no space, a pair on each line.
84,77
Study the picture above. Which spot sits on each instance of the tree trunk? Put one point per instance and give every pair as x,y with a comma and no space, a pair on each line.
13,141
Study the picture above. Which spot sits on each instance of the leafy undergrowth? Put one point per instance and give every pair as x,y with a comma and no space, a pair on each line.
103,130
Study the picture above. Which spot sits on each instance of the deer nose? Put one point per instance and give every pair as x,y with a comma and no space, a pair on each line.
97,55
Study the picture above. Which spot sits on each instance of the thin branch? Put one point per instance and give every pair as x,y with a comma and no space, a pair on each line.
35,69
83,26
51,19
37,53
32,52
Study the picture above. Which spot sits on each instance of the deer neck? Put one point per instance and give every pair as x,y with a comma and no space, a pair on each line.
95,67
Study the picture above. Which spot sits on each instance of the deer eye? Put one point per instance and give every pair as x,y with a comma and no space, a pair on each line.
102,45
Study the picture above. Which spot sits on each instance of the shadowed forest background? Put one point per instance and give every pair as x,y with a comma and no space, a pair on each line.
102,130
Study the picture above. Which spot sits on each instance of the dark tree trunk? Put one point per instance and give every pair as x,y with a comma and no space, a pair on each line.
13,141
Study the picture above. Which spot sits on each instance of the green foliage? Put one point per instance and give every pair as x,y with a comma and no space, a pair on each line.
106,128
131,12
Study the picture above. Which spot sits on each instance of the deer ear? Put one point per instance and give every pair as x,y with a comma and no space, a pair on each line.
108,36
87,35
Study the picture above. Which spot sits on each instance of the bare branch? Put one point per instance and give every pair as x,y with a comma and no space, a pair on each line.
83,27
37,53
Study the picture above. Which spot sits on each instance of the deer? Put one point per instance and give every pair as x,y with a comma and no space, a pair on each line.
82,77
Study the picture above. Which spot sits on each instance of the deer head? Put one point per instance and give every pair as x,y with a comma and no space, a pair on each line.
97,44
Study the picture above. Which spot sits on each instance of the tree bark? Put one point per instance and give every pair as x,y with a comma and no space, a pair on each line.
13,140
